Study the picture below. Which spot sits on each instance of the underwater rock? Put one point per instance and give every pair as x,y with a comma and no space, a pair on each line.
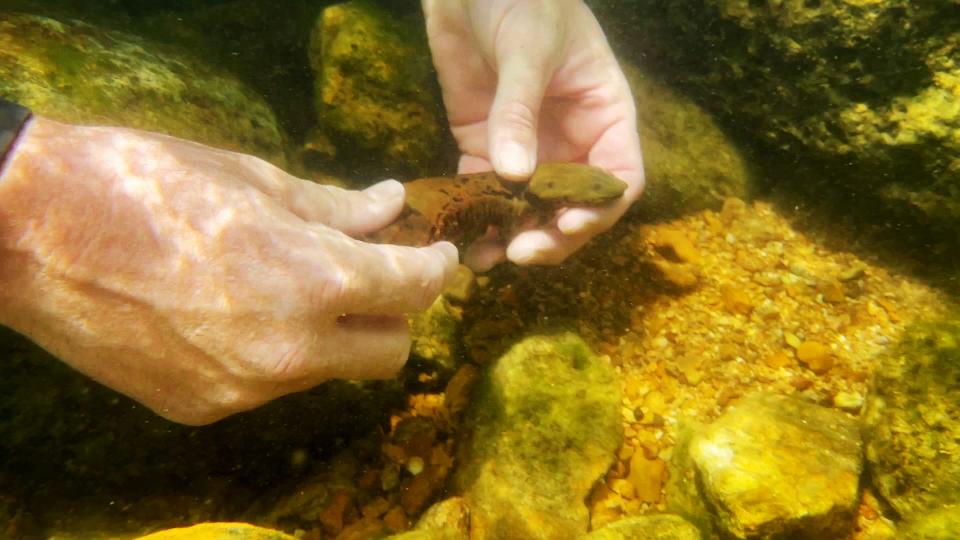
773,466
861,96
912,420
446,520
449,515
435,337
74,72
653,527
690,164
544,427
376,93
940,524
219,531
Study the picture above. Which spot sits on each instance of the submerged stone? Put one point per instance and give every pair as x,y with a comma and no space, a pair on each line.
654,527
912,420
858,95
544,427
775,466
940,524
78,73
375,91
690,163
219,531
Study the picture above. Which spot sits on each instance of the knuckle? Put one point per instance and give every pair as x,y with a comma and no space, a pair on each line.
516,113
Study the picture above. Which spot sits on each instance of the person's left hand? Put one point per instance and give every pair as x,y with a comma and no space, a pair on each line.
535,80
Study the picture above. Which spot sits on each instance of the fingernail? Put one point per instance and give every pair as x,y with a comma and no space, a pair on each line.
386,190
513,160
449,250
574,222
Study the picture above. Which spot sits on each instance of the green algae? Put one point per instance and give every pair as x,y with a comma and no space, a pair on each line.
376,94
912,419
74,72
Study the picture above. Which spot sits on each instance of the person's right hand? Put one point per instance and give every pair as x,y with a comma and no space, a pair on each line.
197,281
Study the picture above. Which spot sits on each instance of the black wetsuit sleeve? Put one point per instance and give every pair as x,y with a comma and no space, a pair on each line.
12,119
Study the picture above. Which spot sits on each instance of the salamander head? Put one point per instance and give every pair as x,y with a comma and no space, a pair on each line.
575,183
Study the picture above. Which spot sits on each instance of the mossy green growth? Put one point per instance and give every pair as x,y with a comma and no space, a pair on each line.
858,95
543,428
436,340
650,527
940,524
375,90
78,73
912,419
690,163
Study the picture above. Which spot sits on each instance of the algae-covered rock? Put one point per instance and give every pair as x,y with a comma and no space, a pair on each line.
78,73
940,524
654,527
435,337
375,90
912,420
775,466
861,95
545,425
682,490
219,531
690,163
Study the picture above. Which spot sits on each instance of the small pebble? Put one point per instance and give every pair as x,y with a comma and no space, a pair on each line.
415,465
736,300
848,401
816,356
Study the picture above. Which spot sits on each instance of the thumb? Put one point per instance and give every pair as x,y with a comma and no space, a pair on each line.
525,66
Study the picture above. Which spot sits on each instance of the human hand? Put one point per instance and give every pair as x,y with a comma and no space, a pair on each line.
535,80
197,281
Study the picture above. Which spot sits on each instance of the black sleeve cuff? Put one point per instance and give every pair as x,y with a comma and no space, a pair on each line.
12,119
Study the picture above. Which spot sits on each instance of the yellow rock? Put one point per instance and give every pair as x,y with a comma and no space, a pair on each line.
736,300
680,275
816,356
219,531
646,475
832,291
676,242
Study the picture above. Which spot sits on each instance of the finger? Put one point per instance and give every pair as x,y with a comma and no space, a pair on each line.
471,164
366,347
592,220
526,61
353,212
383,279
482,256
543,246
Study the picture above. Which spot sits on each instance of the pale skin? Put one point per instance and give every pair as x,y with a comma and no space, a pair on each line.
526,81
202,282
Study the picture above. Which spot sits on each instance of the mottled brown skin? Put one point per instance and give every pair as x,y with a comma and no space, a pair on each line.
462,208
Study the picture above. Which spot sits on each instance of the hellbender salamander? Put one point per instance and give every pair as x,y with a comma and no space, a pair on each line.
462,208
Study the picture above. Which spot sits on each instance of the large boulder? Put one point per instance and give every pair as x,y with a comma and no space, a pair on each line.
74,72
912,420
774,467
690,163
861,96
652,527
545,425
376,94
